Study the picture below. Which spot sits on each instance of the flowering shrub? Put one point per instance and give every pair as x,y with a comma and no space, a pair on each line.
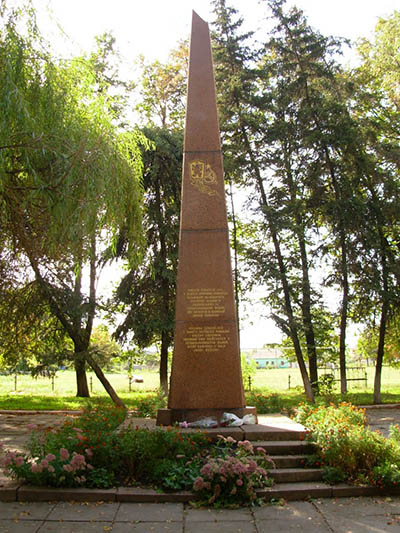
80,452
231,479
347,449
63,469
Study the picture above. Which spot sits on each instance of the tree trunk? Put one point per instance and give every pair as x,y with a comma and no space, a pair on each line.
164,363
343,317
305,285
165,296
82,389
104,381
235,259
380,353
282,269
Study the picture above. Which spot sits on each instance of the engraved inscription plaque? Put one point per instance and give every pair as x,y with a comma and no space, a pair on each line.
205,303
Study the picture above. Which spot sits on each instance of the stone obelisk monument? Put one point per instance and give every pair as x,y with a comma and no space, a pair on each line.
206,376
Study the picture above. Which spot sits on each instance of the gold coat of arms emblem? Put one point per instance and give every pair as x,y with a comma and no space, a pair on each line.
203,177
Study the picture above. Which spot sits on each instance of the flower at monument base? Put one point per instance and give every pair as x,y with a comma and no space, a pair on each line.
198,484
19,460
246,446
36,469
50,457
64,454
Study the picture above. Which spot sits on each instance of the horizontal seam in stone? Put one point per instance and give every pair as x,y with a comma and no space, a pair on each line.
202,151
206,229
226,321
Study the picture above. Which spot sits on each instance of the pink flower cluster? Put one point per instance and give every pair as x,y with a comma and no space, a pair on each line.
77,463
233,476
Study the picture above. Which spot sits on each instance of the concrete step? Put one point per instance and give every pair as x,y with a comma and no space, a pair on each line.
254,432
313,489
285,447
288,461
295,475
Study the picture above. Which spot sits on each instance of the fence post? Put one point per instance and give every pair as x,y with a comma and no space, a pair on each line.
91,383
15,383
130,383
366,379
288,379
249,382
52,383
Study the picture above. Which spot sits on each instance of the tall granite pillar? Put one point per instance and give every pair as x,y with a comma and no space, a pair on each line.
206,377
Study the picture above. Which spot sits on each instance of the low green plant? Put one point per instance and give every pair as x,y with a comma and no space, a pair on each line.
148,405
348,450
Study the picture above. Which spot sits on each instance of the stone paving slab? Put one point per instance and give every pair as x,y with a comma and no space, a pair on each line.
302,510
360,506
217,515
25,510
370,524
308,525
221,527
99,511
75,527
150,512
19,526
148,527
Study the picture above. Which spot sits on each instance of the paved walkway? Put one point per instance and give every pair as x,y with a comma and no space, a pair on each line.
345,515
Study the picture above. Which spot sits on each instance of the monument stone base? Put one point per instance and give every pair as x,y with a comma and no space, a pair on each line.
168,417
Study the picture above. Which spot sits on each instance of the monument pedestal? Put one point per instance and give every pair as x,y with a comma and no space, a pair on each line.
169,417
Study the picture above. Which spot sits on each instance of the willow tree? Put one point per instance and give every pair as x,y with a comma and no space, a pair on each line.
69,181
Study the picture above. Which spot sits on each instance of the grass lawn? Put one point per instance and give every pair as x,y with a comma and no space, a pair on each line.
38,393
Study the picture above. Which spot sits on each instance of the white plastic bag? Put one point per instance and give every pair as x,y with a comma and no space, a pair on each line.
249,419
229,419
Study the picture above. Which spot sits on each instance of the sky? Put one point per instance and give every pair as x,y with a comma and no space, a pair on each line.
153,27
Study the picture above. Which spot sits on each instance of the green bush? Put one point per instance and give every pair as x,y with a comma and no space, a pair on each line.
347,449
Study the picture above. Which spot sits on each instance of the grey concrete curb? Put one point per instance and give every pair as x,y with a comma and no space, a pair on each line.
284,491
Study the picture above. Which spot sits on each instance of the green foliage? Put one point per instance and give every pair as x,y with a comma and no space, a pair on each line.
148,405
347,449
249,368
270,402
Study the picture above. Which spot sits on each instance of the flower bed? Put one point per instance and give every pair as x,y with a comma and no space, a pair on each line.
89,452
347,449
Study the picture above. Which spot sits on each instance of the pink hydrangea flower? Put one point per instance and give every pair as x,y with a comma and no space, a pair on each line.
198,483
50,457
50,468
78,460
44,463
36,469
239,482
19,461
246,445
68,468
89,452
64,454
